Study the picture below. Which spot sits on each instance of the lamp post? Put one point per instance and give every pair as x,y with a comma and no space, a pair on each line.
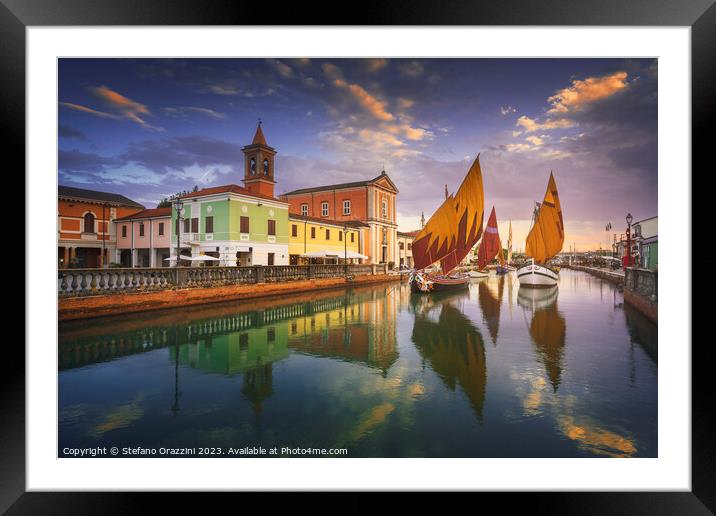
629,218
178,205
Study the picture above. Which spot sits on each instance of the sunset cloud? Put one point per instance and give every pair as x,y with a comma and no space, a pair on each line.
374,65
180,110
583,92
531,125
371,104
117,107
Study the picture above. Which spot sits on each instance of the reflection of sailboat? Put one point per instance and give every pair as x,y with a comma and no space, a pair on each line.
449,235
455,350
490,305
548,329
544,240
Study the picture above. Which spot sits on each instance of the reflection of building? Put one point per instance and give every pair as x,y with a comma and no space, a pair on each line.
311,234
86,235
646,235
233,223
372,202
143,238
361,328
455,350
405,248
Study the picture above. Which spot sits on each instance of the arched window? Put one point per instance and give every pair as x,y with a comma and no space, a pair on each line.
89,223
266,167
253,166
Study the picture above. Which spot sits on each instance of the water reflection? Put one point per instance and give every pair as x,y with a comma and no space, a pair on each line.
452,345
547,328
376,369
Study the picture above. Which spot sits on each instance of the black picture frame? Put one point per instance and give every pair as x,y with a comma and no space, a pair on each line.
16,15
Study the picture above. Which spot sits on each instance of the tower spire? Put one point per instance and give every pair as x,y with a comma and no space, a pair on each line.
259,137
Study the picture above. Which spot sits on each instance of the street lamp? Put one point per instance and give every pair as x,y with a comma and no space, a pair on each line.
629,218
178,205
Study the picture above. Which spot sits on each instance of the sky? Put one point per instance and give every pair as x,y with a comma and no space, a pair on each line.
148,128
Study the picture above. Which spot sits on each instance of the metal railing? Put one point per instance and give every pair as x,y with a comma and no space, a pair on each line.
88,282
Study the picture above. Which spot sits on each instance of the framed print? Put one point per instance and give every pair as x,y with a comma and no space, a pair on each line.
416,253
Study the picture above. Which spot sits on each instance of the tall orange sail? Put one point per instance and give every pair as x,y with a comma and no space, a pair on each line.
455,227
546,237
490,244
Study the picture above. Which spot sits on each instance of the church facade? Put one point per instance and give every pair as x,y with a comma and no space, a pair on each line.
369,204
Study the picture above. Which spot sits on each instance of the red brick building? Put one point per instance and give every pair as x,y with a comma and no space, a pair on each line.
372,202
86,236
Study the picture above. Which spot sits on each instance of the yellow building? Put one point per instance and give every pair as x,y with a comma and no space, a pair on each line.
314,235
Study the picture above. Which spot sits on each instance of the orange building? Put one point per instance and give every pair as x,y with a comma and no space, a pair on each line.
371,202
86,236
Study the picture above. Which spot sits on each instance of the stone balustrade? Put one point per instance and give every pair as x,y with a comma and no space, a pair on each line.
87,282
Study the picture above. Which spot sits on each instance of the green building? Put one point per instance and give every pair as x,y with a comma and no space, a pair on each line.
239,225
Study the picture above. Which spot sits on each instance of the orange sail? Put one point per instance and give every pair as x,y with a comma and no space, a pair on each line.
546,237
490,243
455,227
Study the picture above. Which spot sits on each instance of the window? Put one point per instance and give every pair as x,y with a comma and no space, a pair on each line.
270,258
187,225
195,225
346,207
410,246
209,224
161,229
141,229
401,246
324,209
266,167
253,166
244,341
244,224
294,230
124,231
272,228
385,209
353,239
340,236
313,232
328,234
304,209
89,223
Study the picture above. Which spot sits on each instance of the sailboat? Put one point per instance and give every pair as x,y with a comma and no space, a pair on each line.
490,245
544,240
449,235
509,265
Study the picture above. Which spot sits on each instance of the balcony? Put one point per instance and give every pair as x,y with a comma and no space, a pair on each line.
190,238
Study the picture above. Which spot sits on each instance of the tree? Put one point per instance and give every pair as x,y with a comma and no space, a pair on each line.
167,202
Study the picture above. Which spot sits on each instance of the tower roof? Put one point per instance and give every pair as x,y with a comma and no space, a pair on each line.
259,137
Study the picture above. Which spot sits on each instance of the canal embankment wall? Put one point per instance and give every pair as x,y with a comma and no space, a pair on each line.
140,291
640,287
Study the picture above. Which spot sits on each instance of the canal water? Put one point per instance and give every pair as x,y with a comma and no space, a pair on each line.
493,371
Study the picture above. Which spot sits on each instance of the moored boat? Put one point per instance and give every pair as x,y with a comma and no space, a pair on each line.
449,235
478,274
544,241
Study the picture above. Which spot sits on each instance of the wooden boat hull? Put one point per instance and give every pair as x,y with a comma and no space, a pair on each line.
477,274
424,284
537,276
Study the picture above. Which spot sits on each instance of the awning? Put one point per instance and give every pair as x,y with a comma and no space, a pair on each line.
326,253
242,248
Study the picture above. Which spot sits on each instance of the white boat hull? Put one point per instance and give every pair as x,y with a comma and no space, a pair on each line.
537,276
477,274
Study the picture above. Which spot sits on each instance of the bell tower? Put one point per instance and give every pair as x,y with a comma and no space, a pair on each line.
259,165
